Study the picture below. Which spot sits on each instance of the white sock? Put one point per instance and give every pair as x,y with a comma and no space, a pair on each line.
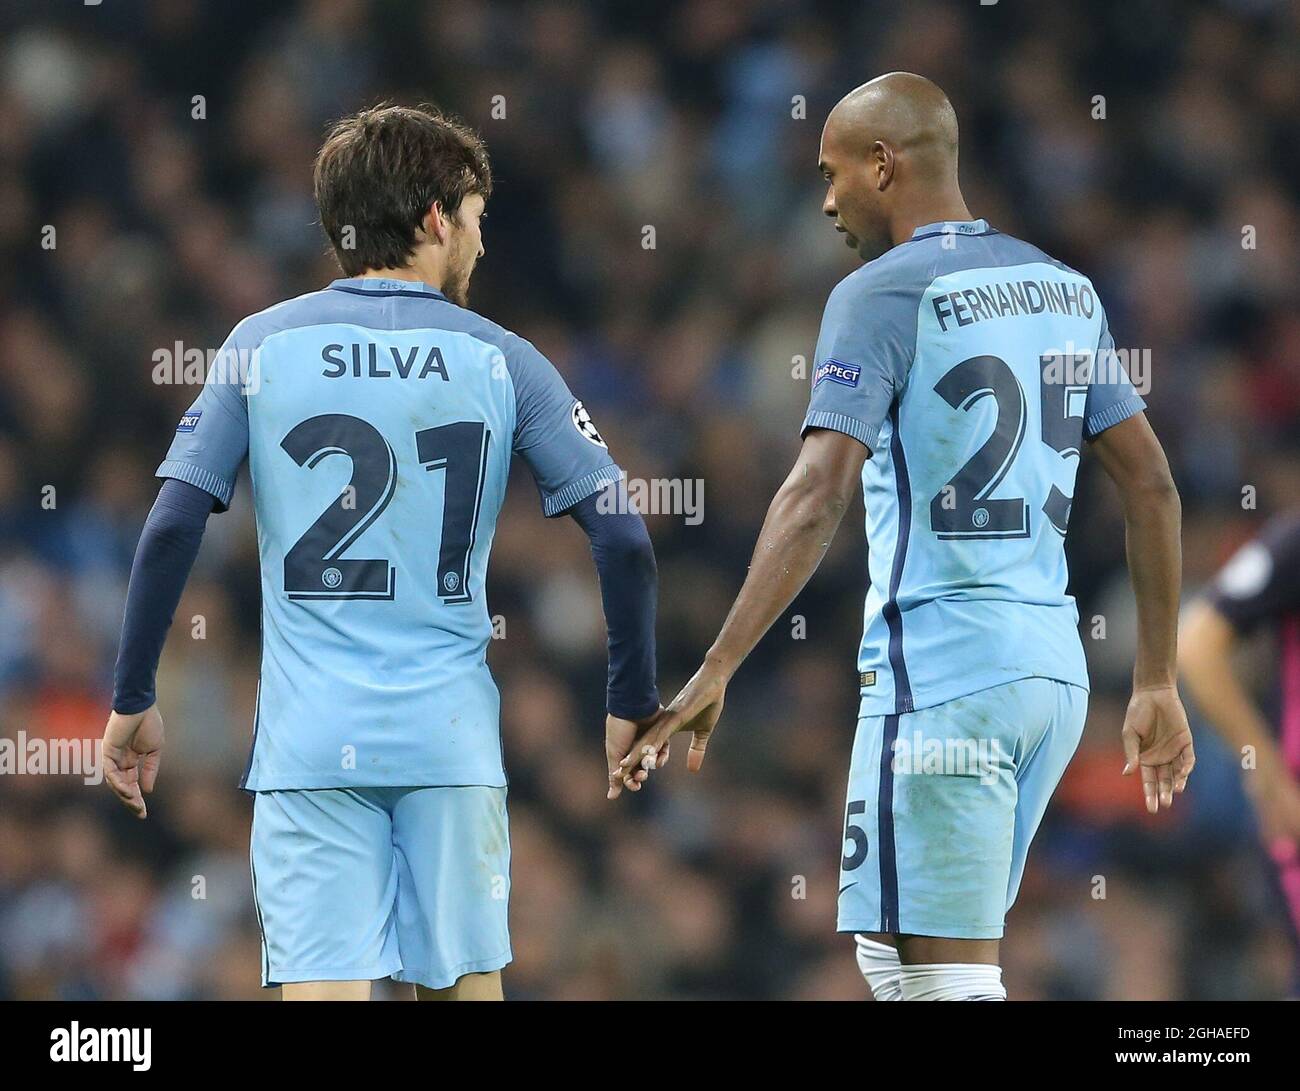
879,965
952,981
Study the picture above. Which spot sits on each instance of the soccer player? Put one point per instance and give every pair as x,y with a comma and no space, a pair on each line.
378,417
1258,589
956,376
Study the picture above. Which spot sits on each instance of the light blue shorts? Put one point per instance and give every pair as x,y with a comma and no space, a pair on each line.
356,884
943,803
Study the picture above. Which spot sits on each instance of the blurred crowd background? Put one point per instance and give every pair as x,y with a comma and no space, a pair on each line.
175,216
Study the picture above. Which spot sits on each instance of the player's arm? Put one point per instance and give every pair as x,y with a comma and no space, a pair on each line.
1256,586
864,350
169,542
629,591
199,477
575,474
1133,458
1157,739
800,524
797,531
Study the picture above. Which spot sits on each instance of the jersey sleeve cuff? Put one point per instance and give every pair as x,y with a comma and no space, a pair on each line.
633,711
134,704
839,422
563,499
1109,417
221,489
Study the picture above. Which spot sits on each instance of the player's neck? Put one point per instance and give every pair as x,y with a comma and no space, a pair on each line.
425,268
951,208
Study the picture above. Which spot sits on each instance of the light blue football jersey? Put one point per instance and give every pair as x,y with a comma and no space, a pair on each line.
972,365
379,420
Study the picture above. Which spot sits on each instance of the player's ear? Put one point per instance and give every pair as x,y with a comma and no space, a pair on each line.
882,163
435,224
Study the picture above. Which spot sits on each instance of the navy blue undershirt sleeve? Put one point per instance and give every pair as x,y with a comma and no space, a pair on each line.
163,559
629,584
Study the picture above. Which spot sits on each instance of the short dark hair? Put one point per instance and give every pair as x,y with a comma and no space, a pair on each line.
380,170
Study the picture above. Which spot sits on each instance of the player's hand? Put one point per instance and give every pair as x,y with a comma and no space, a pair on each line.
132,749
1158,742
696,709
619,736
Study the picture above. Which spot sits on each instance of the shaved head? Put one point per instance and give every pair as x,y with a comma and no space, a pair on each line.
904,110
889,148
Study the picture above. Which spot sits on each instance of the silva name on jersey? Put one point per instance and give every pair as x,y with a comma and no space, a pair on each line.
403,362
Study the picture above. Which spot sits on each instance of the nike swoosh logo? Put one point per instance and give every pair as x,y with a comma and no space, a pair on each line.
844,888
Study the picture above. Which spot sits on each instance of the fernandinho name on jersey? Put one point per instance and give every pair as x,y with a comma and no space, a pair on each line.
1012,298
